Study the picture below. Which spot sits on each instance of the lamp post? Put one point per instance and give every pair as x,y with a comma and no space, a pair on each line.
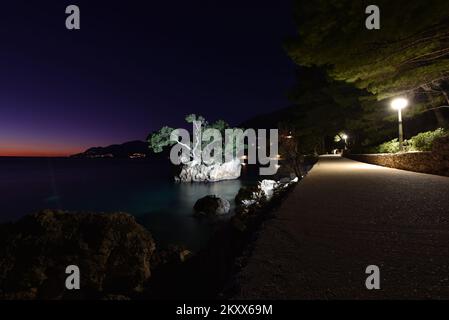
345,137
399,104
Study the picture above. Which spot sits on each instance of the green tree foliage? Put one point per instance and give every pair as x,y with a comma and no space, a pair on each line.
389,147
424,140
421,142
160,139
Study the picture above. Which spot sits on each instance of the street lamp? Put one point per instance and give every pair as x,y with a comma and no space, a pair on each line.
345,137
399,104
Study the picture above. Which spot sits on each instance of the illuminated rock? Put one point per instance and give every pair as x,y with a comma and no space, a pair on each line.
268,186
211,173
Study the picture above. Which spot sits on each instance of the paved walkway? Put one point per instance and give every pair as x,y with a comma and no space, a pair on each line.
344,216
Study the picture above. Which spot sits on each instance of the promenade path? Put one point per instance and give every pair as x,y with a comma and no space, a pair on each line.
344,216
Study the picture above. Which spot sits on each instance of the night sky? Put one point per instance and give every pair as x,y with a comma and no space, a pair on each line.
135,66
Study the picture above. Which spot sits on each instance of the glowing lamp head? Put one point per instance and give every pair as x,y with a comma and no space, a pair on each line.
399,103
345,136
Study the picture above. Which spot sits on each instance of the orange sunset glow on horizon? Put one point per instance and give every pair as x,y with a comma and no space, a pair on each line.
38,151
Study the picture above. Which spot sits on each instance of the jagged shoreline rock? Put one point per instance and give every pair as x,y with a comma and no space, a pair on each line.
253,199
112,251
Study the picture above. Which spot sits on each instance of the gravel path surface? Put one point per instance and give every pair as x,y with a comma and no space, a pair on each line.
344,216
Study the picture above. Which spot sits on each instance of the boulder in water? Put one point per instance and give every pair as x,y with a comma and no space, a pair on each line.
212,205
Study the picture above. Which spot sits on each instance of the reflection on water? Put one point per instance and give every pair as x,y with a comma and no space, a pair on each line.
144,189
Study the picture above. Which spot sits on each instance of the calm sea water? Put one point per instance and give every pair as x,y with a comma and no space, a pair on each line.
142,188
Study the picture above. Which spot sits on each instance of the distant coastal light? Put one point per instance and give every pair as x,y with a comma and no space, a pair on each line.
137,156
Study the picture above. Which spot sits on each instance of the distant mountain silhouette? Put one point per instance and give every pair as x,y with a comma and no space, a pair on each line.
132,149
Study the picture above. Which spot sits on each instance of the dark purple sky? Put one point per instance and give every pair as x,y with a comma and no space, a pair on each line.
135,66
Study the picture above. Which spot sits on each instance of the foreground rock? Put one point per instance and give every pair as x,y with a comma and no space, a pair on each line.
212,205
112,251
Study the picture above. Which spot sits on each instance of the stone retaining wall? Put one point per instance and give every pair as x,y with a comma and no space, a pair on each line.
435,162
425,162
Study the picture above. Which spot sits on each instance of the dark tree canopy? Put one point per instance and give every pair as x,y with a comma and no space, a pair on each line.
323,107
408,53
346,72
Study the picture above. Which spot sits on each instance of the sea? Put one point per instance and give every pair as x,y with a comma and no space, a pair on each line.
144,188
